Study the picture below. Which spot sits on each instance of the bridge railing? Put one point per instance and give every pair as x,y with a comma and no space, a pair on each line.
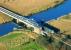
18,17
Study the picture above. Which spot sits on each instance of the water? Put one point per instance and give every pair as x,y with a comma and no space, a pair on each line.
6,28
53,13
47,15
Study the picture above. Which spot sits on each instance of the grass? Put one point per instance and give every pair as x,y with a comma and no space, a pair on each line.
27,7
31,46
11,45
67,17
10,36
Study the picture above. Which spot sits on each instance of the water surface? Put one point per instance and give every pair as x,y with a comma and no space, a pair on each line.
6,28
47,15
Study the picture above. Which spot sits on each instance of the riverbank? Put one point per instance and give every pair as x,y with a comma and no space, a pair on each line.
28,7
4,18
20,39
63,23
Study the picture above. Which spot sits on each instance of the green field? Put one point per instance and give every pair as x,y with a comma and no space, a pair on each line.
19,41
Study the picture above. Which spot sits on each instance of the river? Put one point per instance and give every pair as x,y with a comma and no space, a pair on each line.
46,15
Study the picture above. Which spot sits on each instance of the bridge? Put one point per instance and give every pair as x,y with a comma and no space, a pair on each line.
28,22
